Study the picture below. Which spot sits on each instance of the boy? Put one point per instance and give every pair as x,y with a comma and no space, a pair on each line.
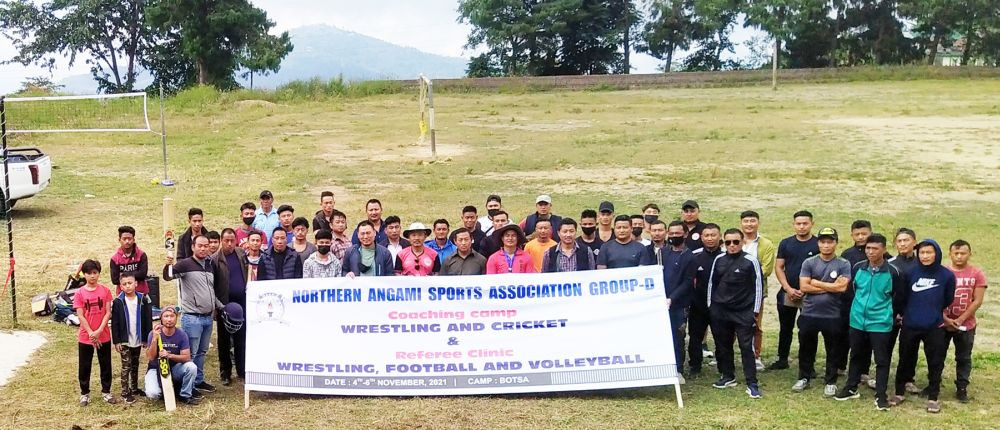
93,307
960,316
131,321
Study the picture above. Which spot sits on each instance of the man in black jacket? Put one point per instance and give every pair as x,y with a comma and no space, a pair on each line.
699,269
279,261
196,227
735,292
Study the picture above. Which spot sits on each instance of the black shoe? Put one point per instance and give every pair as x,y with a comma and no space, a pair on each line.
195,394
205,386
881,405
694,374
962,394
190,400
923,393
847,394
778,365
226,381
138,393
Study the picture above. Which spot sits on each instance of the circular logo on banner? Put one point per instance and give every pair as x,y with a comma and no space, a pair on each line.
695,236
270,307
833,274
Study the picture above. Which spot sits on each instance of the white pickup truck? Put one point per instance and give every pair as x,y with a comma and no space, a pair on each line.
30,170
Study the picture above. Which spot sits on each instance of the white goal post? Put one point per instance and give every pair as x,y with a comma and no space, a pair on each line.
107,113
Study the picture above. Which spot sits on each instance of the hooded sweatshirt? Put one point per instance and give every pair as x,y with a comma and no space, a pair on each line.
931,290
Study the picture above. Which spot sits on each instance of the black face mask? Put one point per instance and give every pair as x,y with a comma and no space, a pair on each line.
675,241
636,231
650,218
492,212
588,230
248,220
323,249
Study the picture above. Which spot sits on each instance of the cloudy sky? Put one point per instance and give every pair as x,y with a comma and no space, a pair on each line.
428,25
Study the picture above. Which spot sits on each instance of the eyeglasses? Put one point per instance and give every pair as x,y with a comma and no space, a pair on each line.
732,242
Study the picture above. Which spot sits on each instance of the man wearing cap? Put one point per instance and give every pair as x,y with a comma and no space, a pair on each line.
177,350
465,260
543,210
542,242
394,240
493,206
510,258
823,280
690,212
266,216
605,221
417,259
623,251
367,258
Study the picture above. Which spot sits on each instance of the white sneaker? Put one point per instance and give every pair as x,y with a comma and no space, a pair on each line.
830,390
707,353
800,385
871,383
760,365
84,399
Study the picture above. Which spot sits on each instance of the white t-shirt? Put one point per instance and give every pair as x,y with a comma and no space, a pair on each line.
131,305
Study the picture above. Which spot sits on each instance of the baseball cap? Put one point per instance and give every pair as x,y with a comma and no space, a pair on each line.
544,198
690,204
493,198
606,206
827,232
266,195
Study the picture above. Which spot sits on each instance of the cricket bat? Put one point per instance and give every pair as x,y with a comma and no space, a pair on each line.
168,231
166,382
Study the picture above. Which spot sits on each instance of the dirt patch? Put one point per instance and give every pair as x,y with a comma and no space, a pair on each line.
568,125
962,140
255,104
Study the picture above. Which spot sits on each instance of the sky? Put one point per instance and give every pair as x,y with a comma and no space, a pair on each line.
427,25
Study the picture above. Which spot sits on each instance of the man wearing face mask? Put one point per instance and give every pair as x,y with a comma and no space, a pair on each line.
322,263
588,229
650,213
493,207
247,216
638,226
674,259
698,269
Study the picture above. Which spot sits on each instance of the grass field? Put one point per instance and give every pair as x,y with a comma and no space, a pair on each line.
922,154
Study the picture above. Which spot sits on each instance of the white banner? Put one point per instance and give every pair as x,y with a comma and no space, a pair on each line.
454,335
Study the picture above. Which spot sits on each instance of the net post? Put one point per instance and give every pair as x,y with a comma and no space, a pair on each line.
166,182
430,112
7,212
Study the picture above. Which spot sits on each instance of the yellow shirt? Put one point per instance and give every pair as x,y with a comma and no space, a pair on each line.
536,250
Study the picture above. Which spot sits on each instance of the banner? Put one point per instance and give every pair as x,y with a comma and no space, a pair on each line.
454,335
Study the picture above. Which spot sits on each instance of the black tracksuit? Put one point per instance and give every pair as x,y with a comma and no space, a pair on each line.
735,294
699,269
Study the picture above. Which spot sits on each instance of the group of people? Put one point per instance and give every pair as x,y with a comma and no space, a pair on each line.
862,302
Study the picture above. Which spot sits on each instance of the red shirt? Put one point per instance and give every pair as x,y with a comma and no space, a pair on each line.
408,264
966,282
95,305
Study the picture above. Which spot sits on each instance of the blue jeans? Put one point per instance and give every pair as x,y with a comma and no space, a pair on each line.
181,373
199,331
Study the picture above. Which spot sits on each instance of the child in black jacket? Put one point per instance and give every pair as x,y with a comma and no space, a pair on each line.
131,322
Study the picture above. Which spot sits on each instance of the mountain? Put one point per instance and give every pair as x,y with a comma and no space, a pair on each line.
328,52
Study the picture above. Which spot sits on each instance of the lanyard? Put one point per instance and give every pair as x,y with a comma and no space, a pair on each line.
510,261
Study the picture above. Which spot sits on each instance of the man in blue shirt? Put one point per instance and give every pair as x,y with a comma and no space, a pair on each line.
440,242
266,216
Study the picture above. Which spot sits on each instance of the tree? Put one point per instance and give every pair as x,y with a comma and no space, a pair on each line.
111,34
875,34
713,21
626,22
39,85
217,37
669,28
935,21
503,26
